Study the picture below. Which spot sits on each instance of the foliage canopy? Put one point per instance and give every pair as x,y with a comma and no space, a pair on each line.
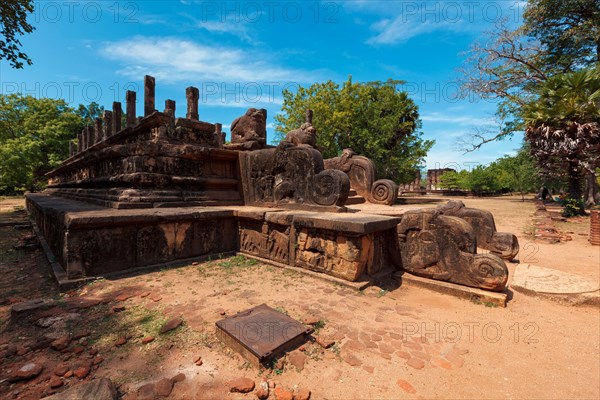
13,23
34,138
374,119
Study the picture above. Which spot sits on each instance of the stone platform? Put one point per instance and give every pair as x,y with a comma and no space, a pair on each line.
89,240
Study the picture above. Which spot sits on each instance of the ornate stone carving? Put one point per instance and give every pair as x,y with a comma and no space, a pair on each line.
334,253
442,247
361,172
292,176
504,245
249,132
306,136
266,241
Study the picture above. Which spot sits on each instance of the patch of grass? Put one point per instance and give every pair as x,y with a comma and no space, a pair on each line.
382,292
272,365
235,263
319,325
336,349
281,310
489,304
315,352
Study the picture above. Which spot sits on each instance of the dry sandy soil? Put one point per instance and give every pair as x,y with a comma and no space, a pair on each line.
390,342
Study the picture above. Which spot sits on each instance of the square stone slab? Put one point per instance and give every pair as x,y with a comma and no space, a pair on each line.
261,334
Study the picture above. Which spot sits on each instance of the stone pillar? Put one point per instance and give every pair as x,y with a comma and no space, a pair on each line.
116,117
80,141
309,116
130,104
219,134
192,95
98,131
149,95
170,108
108,117
89,133
71,148
84,138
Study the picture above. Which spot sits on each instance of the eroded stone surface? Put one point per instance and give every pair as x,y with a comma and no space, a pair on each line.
249,132
99,389
502,244
551,281
361,172
441,247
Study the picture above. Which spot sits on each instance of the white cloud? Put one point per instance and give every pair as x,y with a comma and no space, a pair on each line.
175,60
236,29
412,19
456,119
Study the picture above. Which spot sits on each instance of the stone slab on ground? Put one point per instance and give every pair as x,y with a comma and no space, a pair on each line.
465,292
557,285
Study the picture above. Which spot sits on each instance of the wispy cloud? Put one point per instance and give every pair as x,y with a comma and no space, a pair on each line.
413,19
456,119
175,60
239,30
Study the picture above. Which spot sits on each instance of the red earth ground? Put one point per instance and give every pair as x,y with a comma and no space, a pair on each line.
390,342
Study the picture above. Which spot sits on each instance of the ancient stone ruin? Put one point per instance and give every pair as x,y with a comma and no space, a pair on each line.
164,189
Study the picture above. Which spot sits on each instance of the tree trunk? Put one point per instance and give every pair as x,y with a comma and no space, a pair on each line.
592,192
574,180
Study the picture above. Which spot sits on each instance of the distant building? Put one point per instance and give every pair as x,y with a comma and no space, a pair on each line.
414,185
434,176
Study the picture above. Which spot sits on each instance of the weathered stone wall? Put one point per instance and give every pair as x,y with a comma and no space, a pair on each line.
90,241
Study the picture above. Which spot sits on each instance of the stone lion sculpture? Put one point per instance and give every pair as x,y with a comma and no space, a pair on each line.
249,132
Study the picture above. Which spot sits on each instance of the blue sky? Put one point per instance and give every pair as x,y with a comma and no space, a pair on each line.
242,54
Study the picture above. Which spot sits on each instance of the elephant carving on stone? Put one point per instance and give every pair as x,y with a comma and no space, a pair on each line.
504,245
442,247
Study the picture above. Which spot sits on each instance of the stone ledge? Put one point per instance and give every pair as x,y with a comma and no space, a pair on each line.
464,292
319,275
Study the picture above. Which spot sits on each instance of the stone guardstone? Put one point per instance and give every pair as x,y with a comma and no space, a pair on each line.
550,281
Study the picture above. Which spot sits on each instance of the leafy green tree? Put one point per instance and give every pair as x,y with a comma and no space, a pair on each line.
483,179
569,32
517,173
13,23
34,138
90,112
375,119
454,180
509,64
563,127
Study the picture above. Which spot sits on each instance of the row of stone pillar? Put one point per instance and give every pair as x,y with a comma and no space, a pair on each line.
192,95
112,119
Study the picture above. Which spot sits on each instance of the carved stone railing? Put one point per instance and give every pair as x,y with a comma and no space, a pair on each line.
361,172
504,245
442,247
292,177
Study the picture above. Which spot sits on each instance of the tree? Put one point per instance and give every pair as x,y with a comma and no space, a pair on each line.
569,31
90,112
13,23
557,36
563,127
455,180
374,119
34,138
517,173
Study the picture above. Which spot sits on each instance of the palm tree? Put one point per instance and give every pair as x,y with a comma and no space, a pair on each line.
563,128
